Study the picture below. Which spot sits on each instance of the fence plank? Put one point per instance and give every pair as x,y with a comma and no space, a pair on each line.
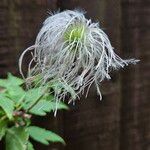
91,124
20,22
135,120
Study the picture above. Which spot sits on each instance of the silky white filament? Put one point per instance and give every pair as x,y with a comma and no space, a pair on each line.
71,53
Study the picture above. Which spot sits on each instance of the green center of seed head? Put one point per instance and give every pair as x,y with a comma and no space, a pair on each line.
75,33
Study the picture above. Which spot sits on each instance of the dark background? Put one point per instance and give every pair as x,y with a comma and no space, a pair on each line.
121,121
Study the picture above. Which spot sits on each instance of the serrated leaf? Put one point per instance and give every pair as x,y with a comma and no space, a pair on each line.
32,96
43,107
3,127
11,80
17,138
15,93
59,105
30,146
15,80
7,105
4,83
44,136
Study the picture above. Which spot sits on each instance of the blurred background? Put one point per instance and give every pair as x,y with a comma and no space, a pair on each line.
121,121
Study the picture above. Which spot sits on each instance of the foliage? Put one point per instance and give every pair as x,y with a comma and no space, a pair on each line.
44,136
17,106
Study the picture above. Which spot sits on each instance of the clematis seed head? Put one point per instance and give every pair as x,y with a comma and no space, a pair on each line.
71,53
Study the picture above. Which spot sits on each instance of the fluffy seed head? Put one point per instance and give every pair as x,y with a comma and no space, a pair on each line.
71,53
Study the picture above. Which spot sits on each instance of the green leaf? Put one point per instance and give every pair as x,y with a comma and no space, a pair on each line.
3,127
32,96
60,105
15,93
44,136
11,80
7,105
15,80
17,138
43,107
30,146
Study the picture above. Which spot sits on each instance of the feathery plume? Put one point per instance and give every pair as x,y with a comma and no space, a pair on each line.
71,53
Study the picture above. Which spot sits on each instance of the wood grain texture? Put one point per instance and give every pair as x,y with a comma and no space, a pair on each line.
121,120
20,22
92,124
135,120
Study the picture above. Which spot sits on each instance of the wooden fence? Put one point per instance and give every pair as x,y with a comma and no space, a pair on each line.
122,120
